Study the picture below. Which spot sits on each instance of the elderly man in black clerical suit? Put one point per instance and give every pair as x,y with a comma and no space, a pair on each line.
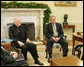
55,34
21,40
9,58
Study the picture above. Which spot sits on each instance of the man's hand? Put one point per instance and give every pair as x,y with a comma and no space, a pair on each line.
20,43
14,54
56,39
28,41
53,38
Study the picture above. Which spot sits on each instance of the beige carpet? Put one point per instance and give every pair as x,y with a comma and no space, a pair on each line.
42,54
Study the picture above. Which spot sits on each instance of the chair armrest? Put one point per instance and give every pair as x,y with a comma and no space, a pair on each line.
7,45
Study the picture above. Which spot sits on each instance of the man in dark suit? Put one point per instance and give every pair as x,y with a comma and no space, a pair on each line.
21,40
9,59
55,34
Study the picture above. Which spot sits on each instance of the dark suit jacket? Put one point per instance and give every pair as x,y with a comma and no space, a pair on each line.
49,30
18,34
6,58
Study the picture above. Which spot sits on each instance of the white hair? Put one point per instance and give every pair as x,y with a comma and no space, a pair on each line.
16,19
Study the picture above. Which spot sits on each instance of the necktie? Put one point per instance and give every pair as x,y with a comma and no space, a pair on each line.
54,30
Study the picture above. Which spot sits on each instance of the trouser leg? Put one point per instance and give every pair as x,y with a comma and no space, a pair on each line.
64,45
33,50
62,42
50,43
24,50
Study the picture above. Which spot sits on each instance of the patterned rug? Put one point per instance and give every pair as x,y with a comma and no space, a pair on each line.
42,54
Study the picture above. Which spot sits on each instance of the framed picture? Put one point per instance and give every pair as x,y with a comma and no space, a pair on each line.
65,3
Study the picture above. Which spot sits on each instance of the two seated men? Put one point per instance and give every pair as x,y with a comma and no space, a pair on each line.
21,40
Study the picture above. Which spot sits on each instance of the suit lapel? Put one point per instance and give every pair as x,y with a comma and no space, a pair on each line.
56,27
51,27
2,48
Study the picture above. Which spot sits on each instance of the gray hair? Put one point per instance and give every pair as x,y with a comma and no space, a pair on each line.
52,16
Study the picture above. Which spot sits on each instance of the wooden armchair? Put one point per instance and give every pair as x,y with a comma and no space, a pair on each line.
7,45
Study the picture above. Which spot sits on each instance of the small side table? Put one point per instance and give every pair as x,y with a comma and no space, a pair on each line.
67,61
76,37
69,26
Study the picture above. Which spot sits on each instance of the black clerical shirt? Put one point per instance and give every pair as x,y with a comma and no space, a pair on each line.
18,33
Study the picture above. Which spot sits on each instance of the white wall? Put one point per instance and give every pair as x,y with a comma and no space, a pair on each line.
75,14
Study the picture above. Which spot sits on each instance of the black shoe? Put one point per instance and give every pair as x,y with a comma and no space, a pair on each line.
64,55
49,59
38,62
25,58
